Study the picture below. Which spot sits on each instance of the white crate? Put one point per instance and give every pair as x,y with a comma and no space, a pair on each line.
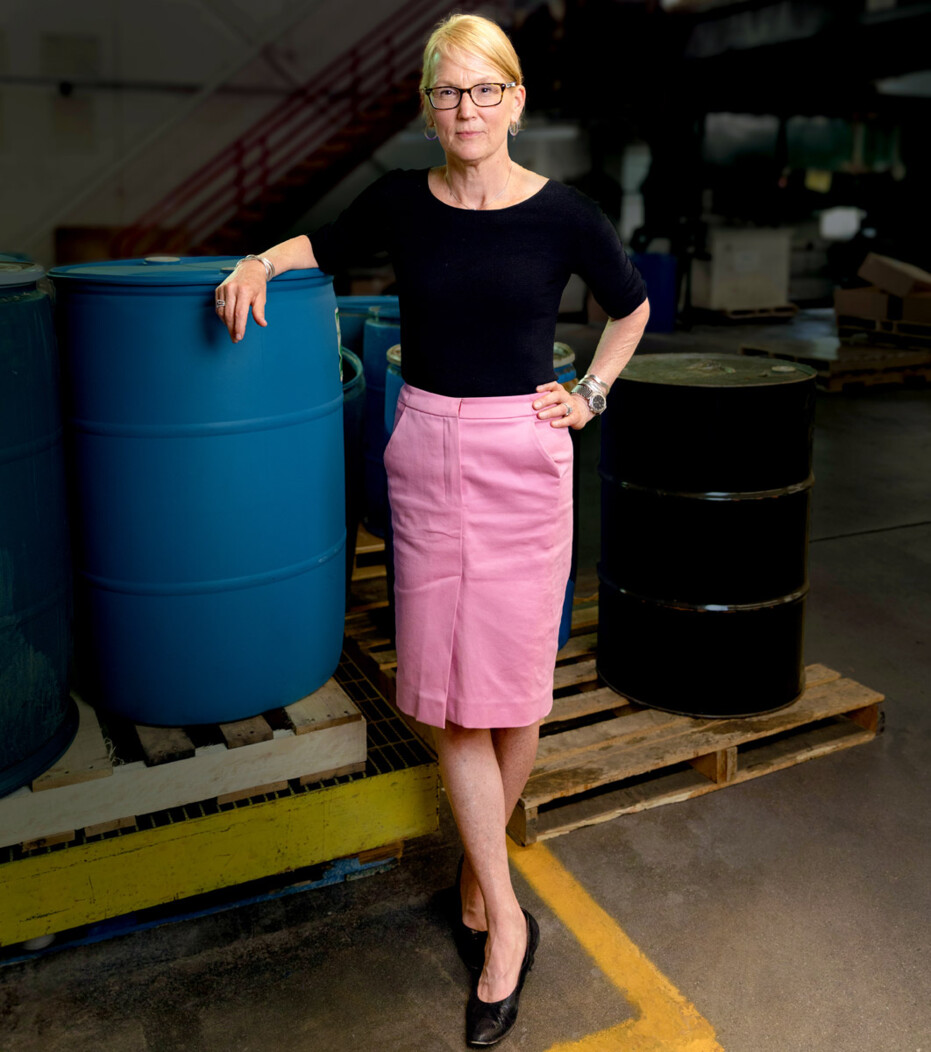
748,270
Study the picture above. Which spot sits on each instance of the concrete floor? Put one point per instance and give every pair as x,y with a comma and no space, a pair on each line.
793,911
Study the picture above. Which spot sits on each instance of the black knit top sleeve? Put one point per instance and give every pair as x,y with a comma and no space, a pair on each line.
479,291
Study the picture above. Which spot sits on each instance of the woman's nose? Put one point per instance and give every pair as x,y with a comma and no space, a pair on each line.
466,106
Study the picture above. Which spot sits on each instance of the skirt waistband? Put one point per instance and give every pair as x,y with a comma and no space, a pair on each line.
494,407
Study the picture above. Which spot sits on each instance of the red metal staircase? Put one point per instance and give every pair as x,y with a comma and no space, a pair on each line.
255,189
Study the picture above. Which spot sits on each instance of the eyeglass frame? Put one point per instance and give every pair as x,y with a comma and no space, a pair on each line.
468,91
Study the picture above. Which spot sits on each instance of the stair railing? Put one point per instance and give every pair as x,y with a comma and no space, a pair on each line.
310,116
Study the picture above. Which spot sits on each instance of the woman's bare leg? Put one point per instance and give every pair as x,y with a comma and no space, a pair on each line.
515,749
478,771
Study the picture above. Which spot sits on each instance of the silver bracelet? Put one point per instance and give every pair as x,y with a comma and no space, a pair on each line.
592,379
266,263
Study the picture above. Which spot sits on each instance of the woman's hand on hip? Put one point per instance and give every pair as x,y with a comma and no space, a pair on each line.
561,408
242,292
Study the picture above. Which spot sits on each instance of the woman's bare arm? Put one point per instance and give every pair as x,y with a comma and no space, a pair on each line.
615,349
244,290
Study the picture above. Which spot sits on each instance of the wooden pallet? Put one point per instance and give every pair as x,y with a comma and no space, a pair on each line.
842,366
601,756
91,789
631,758
781,312
885,330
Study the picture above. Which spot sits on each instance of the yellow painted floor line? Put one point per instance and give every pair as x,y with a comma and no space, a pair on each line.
665,1020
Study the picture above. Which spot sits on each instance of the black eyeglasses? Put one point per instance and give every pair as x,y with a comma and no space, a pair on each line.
445,97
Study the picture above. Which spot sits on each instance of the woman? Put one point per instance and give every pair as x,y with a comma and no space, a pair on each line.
480,462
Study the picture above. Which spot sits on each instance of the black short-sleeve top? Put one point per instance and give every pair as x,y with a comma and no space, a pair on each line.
479,291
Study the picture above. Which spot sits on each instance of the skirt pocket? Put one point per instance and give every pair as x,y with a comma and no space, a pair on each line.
555,443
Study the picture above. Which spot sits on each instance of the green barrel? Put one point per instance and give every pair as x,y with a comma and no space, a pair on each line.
38,719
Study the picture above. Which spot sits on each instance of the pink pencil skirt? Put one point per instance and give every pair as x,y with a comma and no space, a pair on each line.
481,507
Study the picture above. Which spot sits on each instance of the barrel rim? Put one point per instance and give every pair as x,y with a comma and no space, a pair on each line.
189,270
803,372
18,273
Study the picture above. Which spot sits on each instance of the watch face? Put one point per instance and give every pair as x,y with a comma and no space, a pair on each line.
597,403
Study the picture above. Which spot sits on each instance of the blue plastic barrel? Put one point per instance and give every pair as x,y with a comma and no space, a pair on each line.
382,331
393,384
354,457
564,362
353,310
38,719
658,270
210,521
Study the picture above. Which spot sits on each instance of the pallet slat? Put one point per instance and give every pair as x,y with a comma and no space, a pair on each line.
331,740
833,714
164,744
86,759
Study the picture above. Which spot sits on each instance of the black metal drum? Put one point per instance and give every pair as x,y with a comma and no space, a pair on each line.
706,484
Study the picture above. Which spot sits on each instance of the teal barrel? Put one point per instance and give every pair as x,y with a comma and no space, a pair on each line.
659,272
353,312
353,378
382,331
393,384
210,514
38,719
564,367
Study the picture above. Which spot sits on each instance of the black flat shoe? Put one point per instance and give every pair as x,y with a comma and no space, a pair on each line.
469,942
487,1022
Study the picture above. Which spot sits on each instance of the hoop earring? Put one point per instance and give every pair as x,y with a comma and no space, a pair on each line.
427,135
514,128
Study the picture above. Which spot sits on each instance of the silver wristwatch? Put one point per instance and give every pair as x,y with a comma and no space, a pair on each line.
593,390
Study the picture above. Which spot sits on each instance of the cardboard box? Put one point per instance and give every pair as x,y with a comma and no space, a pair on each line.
917,308
892,275
748,269
869,302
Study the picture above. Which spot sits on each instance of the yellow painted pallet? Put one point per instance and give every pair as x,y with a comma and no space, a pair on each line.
205,844
93,789
602,756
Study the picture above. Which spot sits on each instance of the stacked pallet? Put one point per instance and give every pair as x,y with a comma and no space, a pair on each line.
894,308
100,785
883,331
885,326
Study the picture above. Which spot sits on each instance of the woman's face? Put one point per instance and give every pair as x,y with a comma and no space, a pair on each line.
470,132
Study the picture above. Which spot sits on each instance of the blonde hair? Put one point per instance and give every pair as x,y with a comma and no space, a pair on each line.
469,35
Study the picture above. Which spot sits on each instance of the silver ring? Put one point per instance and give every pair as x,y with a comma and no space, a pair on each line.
220,303
568,409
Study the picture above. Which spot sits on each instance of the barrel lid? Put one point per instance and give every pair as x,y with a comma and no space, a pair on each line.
361,304
714,370
393,354
165,270
19,272
563,354
390,312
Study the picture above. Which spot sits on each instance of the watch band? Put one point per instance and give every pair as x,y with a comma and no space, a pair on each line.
594,396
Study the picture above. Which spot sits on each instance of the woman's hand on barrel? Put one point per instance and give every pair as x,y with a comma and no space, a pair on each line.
242,292
560,407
